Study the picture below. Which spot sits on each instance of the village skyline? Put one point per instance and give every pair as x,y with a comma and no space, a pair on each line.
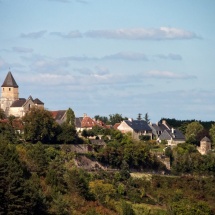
106,57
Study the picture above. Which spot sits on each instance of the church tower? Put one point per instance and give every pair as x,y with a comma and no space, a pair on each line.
9,92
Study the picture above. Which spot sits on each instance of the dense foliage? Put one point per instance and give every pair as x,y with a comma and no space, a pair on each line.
38,178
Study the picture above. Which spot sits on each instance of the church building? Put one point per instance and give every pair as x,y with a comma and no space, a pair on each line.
10,102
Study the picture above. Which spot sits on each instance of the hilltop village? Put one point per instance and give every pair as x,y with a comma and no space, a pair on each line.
12,105
53,162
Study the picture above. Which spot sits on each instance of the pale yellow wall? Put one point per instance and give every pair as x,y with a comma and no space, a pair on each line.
16,111
10,93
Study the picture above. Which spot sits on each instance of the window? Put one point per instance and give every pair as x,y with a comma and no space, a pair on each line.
9,89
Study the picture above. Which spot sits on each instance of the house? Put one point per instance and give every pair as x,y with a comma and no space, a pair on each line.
205,146
136,127
172,136
158,128
10,102
86,122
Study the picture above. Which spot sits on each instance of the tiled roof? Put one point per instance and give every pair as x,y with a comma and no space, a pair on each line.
87,122
116,125
138,125
18,103
9,81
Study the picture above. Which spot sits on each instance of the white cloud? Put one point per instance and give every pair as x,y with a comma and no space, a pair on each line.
22,49
33,35
162,33
170,56
167,75
71,34
132,56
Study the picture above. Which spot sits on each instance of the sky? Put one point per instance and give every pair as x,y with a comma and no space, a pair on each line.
102,57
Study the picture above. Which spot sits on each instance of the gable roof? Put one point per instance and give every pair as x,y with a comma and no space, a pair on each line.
58,115
87,122
138,125
174,134
10,81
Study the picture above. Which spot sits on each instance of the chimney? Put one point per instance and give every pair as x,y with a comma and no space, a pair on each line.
173,130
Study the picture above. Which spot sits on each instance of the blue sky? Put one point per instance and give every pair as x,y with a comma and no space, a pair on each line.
102,57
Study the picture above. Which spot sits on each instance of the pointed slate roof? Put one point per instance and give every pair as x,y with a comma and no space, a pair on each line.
10,81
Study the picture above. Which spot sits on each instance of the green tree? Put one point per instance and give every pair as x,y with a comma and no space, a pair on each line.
146,117
212,134
193,132
15,195
115,118
67,134
101,118
39,125
70,117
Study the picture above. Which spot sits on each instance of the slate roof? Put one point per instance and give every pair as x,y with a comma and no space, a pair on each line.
78,122
138,125
57,115
37,101
10,81
168,134
206,139
18,103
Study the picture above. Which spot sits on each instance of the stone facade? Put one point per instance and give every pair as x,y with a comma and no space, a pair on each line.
137,128
10,102
205,146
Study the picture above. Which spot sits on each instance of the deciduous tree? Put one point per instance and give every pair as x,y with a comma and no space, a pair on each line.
39,125
193,132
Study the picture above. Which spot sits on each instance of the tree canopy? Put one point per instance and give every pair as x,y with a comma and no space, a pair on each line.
194,132
39,125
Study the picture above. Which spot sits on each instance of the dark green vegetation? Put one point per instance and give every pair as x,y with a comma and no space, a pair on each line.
38,175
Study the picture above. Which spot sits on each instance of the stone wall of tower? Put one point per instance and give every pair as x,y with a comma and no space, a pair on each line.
8,96
11,93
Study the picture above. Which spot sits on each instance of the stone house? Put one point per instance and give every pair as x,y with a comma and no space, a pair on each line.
158,128
136,127
172,136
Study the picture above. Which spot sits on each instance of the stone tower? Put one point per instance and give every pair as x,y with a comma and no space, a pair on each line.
205,146
9,92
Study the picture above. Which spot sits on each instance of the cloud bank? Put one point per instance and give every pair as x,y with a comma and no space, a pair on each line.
162,33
